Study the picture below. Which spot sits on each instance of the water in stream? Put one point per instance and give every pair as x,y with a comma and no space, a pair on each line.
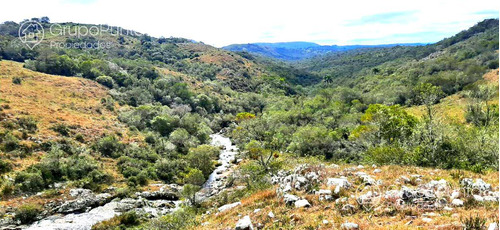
85,220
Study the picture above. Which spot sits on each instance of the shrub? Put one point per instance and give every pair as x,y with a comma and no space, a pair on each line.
28,123
109,146
27,213
61,129
5,166
194,177
106,81
201,158
168,170
16,80
165,124
474,223
10,142
29,181
79,137
178,220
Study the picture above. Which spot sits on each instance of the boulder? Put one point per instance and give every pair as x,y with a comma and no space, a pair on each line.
339,183
324,194
457,203
349,226
80,192
290,199
493,226
228,206
302,204
244,224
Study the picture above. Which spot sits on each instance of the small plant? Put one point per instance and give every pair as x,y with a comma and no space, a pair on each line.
61,129
27,213
5,166
457,174
79,137
27,123
17,80
474,223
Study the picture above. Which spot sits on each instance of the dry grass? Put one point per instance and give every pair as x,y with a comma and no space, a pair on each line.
50,99
452,109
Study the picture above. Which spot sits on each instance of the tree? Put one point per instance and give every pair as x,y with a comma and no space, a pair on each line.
194,177
189,192
201,158
428,95
193,181
391,123
264,157
165,124
479,111
106,81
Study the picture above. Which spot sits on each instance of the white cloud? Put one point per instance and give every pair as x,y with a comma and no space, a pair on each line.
223,22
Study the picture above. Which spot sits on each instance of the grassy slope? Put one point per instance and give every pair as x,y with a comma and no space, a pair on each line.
452,108
51,99
54,99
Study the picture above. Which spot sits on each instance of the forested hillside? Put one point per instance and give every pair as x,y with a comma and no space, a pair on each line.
130,125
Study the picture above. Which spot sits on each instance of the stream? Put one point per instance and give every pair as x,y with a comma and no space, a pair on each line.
85,220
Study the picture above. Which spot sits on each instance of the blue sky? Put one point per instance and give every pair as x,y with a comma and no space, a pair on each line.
224,22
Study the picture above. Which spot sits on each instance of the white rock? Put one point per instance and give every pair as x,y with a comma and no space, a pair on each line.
302,204
349,226
493,226
228,206
324,192
338,182
361,167
457,203
447,208
478,198
256,210
374,166
377,171
270,214
425,219
290,199
454,195
325,222
244,224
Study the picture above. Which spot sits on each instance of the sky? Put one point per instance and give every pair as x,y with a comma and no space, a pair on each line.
225,22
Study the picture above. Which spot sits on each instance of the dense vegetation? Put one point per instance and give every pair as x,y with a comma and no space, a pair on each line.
345,107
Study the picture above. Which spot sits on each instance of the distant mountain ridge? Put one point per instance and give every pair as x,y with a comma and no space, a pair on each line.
294,51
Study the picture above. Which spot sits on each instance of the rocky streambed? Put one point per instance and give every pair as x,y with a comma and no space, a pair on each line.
88,209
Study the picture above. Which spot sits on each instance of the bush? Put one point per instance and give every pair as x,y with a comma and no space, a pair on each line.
28,123
194,177
474,223
5,166
106,81
29,181
10,142
27,213
178,220
61,129
16,80
165,124
202,158
127,219
109,146
168,170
